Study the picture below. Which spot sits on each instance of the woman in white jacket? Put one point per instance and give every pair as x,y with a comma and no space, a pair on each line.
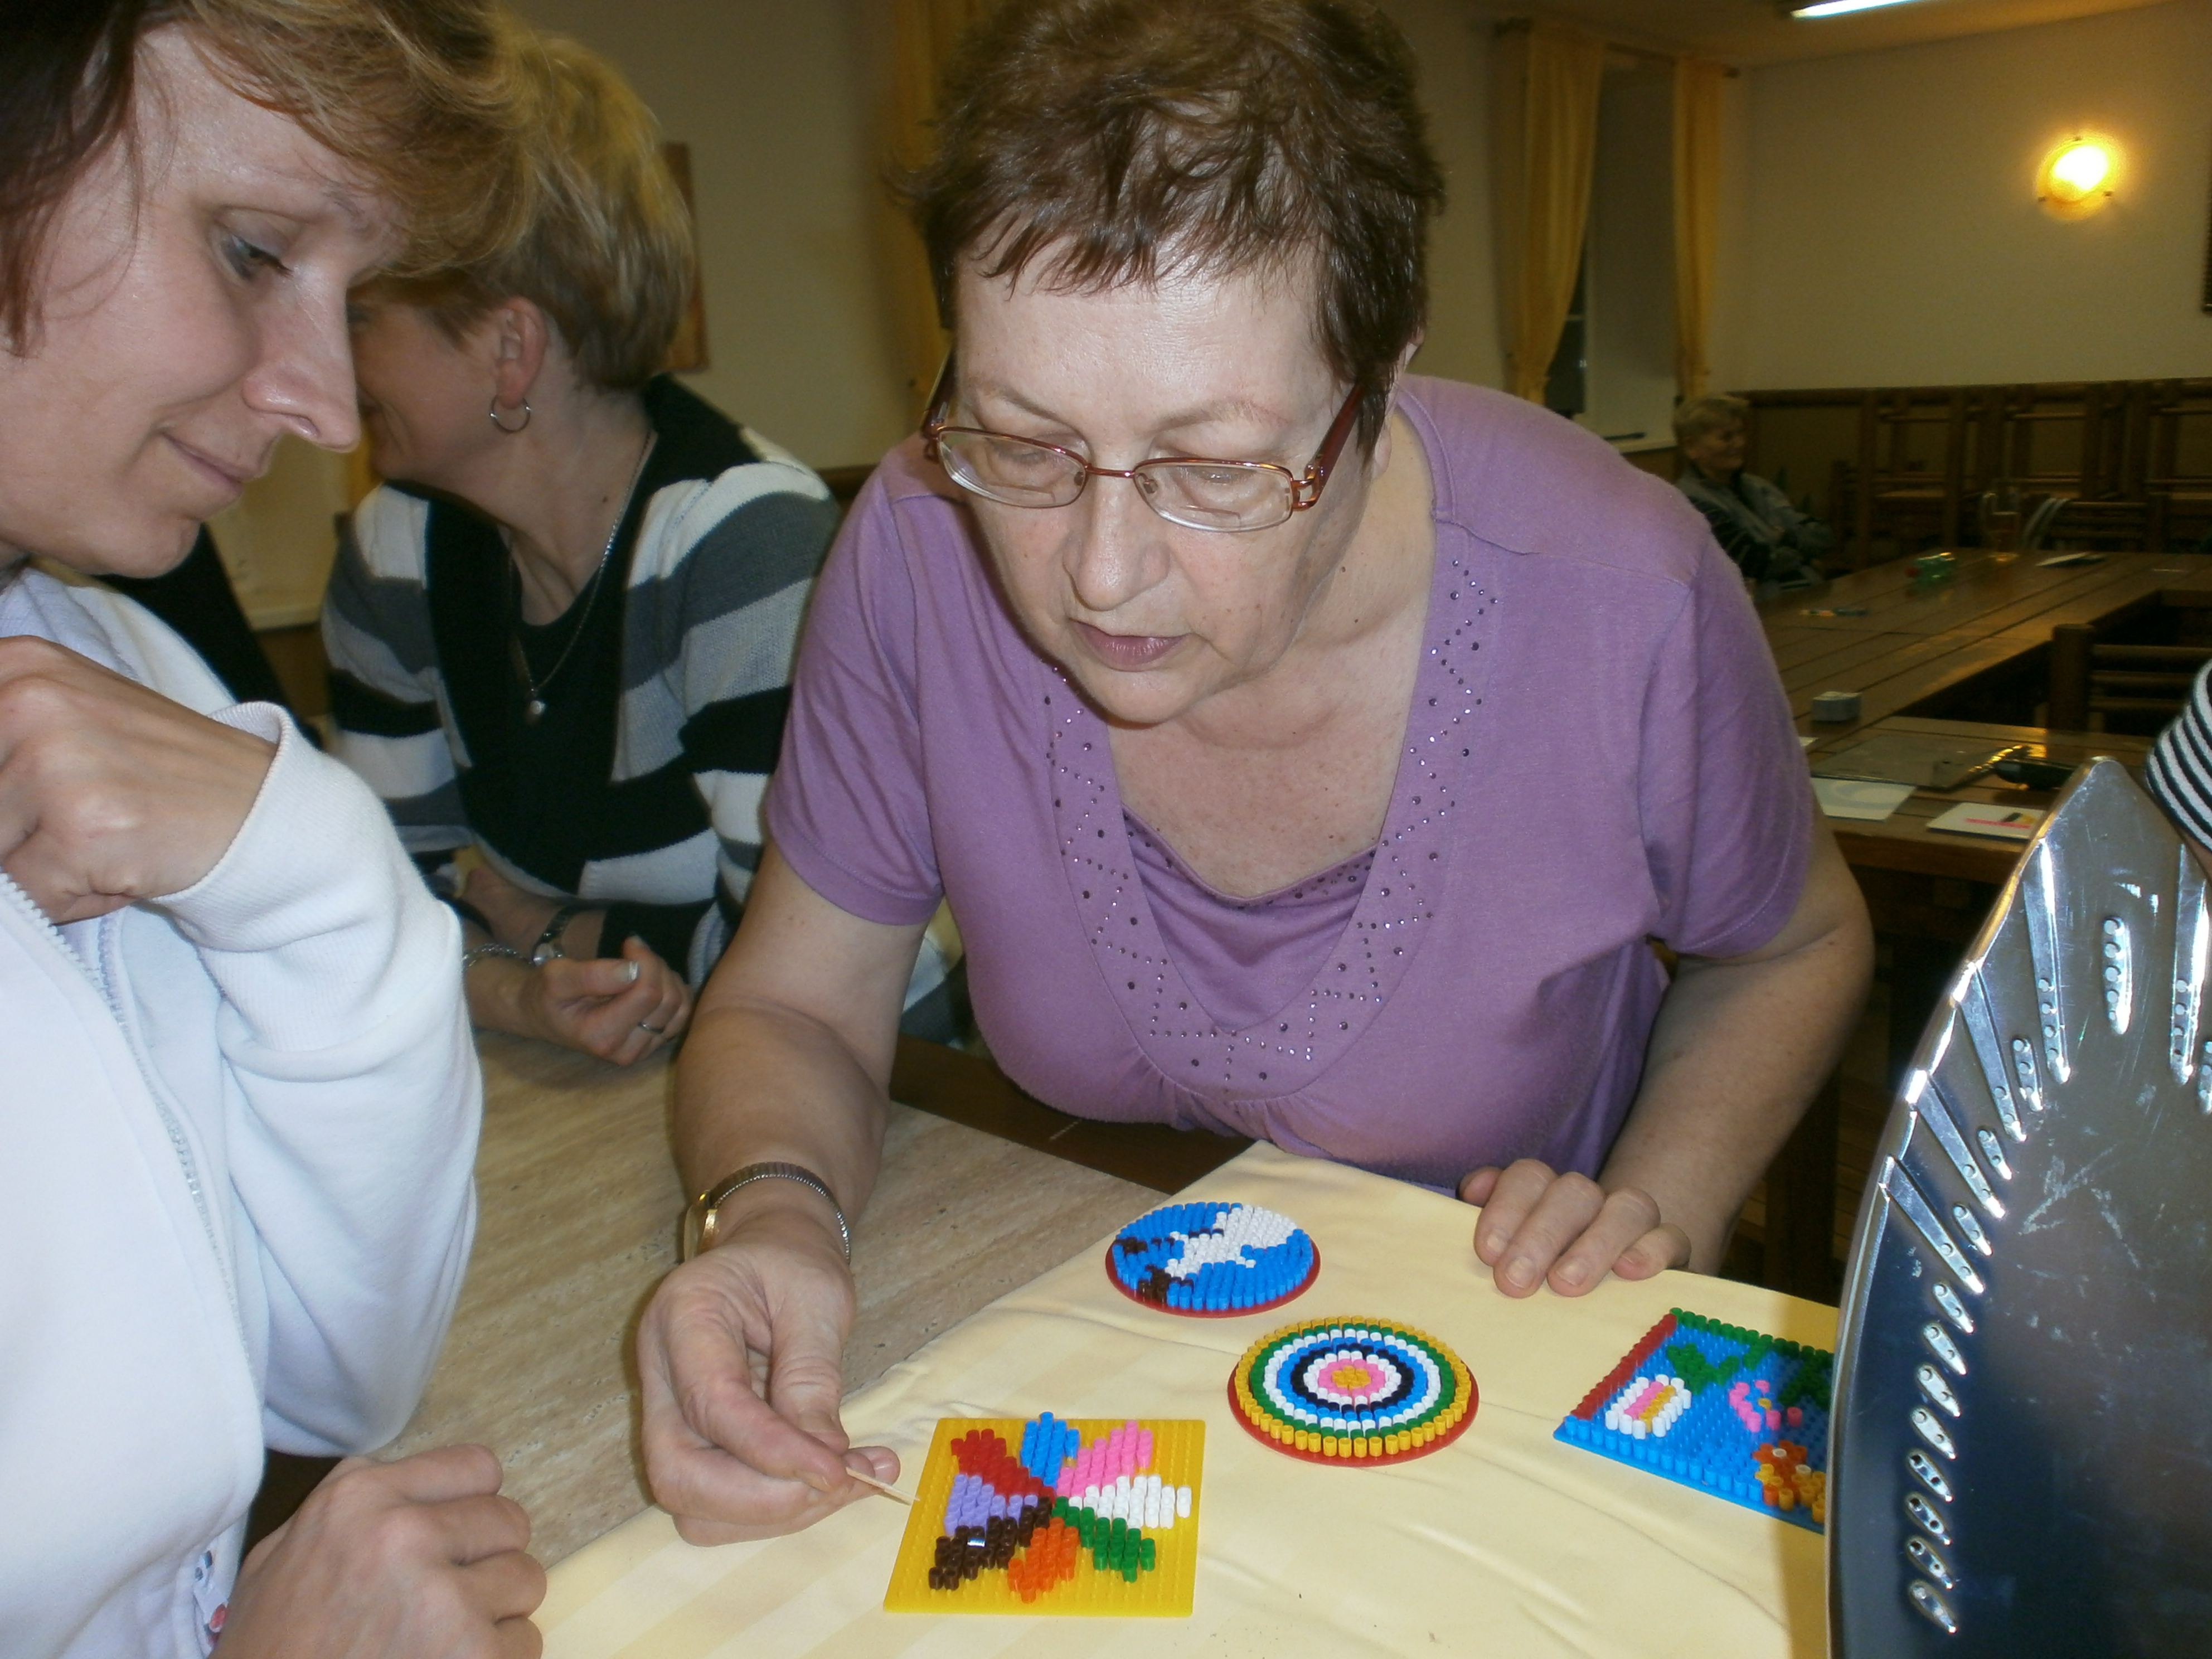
239,1101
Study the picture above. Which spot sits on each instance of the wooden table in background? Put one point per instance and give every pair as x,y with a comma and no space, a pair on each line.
1920,642
1928,890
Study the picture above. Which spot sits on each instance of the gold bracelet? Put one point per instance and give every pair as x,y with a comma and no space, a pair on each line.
704,1211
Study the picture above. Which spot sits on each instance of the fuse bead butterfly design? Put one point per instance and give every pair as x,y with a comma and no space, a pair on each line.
1353,1390
1212,1261
1724,1409
1052,1515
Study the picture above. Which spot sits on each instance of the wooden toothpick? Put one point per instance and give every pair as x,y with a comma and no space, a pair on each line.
887,1490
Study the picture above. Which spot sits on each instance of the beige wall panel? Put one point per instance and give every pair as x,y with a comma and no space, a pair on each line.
776,99
1451,43
1888,233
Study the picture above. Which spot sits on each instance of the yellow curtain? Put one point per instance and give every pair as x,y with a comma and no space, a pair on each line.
1544,143
922,33
1697,191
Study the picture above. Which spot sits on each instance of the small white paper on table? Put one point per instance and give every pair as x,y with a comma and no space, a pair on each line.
1859,798
1975,817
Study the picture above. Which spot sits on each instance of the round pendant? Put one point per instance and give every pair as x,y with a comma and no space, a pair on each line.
531,709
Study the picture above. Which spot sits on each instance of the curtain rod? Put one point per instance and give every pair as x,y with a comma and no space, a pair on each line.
1634,54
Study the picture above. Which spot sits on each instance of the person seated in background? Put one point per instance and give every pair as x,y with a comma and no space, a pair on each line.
1771,542
562,633
1308,751
242,1104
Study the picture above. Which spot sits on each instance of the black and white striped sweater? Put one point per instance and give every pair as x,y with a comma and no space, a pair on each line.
639,788
2180,770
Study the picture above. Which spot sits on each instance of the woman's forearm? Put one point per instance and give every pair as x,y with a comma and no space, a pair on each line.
1738,1050
760,1082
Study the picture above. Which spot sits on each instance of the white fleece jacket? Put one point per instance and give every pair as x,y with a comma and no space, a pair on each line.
237,1200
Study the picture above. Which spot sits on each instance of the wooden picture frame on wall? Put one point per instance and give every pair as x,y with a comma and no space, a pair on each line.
688,354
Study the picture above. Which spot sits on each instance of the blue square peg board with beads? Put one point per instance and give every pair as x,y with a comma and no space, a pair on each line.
1716,1406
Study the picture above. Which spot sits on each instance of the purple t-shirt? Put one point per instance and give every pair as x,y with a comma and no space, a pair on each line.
1598,754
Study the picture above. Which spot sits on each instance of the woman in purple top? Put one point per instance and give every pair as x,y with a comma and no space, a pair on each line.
1306,750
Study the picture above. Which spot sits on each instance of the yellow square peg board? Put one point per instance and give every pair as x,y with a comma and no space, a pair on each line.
1052,1516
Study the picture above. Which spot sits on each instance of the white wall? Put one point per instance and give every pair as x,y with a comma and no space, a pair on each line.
1888,233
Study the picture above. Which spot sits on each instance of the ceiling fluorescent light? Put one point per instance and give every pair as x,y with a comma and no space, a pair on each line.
1838,7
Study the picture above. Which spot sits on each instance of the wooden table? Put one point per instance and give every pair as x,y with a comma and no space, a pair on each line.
1928,889
1506,1543
579,1199
1903,842
1922,642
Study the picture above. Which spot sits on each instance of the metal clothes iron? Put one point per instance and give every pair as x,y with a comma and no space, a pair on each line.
2021,1460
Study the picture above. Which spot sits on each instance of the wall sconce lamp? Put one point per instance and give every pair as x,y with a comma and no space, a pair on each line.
2078,176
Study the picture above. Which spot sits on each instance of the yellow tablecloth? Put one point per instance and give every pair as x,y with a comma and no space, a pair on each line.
1505,1543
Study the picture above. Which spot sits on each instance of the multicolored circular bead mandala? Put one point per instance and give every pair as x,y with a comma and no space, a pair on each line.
1212,1261
1353,1390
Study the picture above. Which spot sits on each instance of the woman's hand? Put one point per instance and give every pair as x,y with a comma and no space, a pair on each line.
620,1008
741,1354
419,1558
1537,1225
110,793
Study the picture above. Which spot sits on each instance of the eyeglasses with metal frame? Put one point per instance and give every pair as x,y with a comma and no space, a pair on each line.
1230,496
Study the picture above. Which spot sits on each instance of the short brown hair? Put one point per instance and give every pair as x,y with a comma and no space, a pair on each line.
1715,413
606,249
1120,141
419,95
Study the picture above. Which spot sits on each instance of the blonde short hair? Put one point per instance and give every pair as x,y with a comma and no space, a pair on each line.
606,251
1715,413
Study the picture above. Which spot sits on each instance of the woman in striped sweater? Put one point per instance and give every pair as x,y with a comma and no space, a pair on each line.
563,634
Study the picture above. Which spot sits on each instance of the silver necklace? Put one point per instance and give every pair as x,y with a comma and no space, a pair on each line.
533,699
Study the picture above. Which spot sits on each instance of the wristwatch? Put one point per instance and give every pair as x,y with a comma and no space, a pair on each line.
704,1211
548,948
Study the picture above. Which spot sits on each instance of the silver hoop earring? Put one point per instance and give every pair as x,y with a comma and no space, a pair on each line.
503,426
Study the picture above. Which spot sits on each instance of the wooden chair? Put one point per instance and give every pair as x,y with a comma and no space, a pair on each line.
2090,678
2102,527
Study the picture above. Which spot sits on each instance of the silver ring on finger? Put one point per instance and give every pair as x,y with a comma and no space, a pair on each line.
658,1031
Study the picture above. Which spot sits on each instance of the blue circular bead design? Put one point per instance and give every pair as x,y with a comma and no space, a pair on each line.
1212,1261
